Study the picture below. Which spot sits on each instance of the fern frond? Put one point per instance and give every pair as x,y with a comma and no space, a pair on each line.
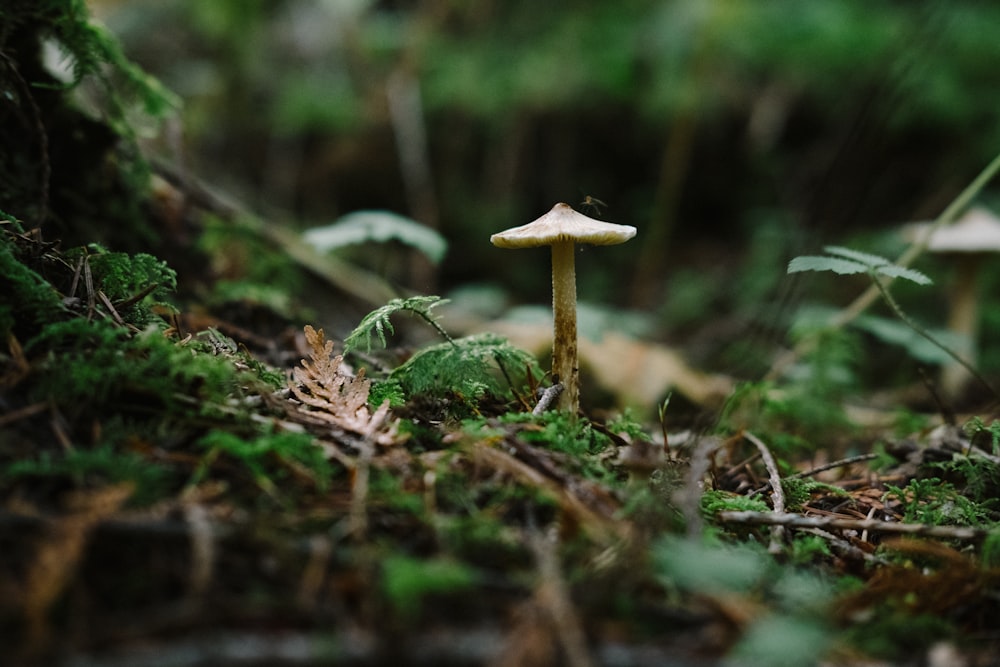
336,397
377,322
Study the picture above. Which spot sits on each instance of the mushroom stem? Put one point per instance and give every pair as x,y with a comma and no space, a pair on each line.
564,353
963,320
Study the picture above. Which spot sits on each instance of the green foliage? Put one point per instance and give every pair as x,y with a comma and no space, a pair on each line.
27,300
846,262
977,478
798,417
627,424
106,464
714,569
893,632
469,368
714,501
799,600
977,430
902,335
79,173
378,227
807,549
934,502
250,269
798,491
407,581
386,492
263,452
121,276
991,550
90,47
88,364
377,321
560,432
782,641
386,390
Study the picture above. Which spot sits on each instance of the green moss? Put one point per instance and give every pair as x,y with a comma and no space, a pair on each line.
713,502
27,300
95,366
121,277
91,467
470,369
268,456
407,581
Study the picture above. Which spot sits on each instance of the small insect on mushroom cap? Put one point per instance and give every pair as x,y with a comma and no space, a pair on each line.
563,223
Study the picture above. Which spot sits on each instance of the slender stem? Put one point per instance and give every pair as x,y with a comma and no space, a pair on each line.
426,317
891,302
564,351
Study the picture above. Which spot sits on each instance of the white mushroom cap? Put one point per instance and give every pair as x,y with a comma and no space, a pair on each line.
976,231
563,223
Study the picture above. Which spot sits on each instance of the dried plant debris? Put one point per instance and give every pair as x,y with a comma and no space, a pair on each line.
329,394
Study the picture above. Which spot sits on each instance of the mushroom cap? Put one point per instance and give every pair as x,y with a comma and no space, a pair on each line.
563,223
976,231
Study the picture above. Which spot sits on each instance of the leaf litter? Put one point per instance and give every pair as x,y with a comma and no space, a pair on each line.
492,538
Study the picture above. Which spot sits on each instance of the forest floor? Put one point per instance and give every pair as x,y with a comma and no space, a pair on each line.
175,493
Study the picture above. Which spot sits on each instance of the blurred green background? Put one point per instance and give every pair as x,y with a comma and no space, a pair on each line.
734,134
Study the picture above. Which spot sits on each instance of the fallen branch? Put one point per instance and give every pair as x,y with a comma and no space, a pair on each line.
874,525
777,494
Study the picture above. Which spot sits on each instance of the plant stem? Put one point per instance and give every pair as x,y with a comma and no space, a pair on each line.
891,302
426,317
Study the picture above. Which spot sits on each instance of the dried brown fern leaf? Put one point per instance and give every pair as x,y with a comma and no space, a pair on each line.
329,394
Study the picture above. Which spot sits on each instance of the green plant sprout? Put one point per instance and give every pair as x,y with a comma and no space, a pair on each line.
845,261
469,368
850,312
377,321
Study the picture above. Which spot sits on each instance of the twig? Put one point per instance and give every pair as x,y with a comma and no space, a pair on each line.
358,519
874,525
833,464
549,395
823,468
138,296
111,308
844,547
553,596
202,537
688,498
777,494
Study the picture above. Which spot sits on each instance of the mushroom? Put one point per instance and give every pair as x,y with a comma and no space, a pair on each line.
966,241
562,228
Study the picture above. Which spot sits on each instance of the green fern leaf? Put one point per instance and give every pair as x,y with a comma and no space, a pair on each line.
377,321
